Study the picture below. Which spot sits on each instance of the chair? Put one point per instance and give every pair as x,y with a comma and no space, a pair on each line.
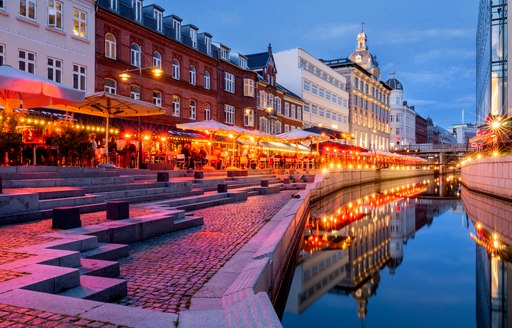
180,161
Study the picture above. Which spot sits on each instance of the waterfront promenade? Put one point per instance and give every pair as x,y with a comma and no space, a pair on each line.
163,273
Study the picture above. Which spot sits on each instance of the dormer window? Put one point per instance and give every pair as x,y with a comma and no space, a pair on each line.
112,4
208,42
243,62
224,53
137,5
159,17
176,25
193,37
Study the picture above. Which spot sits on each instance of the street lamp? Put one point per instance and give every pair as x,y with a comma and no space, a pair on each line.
126,76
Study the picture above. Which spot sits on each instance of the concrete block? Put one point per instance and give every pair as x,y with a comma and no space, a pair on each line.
18,203
118,210
238,196
198,175
264,183
222,187
162,177
66,217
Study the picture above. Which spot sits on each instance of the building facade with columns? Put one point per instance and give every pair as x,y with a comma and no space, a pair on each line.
369,96
402,119
50,38
322,89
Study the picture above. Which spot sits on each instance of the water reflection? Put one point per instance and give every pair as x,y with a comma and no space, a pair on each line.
353,235
491,218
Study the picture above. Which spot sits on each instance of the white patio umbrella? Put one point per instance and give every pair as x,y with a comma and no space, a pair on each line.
22,89
298,135
110,105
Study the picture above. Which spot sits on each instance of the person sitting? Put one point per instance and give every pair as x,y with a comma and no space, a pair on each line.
203,155
185,150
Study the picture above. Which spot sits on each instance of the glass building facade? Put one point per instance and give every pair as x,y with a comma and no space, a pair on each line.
492,59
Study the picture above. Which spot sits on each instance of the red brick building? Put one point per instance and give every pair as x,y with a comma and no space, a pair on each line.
135,40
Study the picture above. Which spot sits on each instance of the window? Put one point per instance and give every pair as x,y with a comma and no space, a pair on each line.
229,82
229,114
286,109
175,69
249,87
112,4
192,75
159,17
55,14
79,23
192,107
2,4
248,117
55,70
243,62
157,98
397,131
193,37
398,118
224,53
110,86
137,5
307,85
206,80
207,113
286,128
176,106
176,25
314,88
135,55
135,92
2,54
157,60
79,77
321,92
110,46
299,113
208,42
27,61
278,105
263,99
293,111
28,9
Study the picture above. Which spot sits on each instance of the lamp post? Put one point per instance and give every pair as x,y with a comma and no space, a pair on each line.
125,76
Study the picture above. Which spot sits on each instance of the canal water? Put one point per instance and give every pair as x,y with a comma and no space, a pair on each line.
399,254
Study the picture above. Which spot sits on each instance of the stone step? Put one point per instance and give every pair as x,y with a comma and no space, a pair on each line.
63,193
61,182
70,201
98,289
99,268
205,204
125,186
192,199
108,252
253,193
59,175
187,222
161,196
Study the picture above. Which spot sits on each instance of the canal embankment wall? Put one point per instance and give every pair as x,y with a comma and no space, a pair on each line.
257,271
491,176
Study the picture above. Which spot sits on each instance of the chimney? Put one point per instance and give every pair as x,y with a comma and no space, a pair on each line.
270,48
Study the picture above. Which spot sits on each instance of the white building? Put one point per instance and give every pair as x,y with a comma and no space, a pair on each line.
464,131
50,38
402,119
321,88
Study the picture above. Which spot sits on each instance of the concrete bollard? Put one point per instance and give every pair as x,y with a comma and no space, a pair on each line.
198,175
118,210
264,183
286,181
162,177
1,190
66,217
222,187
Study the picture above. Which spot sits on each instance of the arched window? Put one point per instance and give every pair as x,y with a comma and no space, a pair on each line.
207,80
192,107
192,75
176,106
157,98
207,113
175,69
157,59
135,55
110,46
110,86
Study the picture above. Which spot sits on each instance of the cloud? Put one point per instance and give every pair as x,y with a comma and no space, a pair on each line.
335,31
439,78
435,54
406,37
421,102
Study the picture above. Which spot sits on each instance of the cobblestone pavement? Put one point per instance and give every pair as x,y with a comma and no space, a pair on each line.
12,316
164,272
